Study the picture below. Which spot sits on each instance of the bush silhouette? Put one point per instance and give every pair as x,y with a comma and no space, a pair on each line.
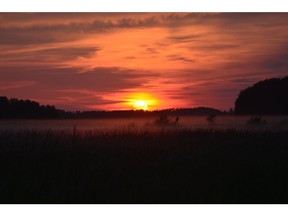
257,120
164,120
264,98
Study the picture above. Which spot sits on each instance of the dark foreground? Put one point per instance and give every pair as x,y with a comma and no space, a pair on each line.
165,166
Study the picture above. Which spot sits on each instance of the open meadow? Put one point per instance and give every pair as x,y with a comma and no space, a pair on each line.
133,164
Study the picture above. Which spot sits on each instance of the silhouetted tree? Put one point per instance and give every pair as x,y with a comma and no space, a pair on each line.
15,108
264,98
4,106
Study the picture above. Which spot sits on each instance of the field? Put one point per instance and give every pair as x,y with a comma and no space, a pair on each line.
131,165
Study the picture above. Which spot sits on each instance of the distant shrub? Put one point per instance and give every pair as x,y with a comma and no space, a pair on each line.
257,120
164,120
211,118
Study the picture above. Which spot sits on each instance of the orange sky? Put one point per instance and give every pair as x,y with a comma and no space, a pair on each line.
83,61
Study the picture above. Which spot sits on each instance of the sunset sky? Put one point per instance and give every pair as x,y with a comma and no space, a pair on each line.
91,61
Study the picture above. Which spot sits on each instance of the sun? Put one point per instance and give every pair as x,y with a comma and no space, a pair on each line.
140,105
141,101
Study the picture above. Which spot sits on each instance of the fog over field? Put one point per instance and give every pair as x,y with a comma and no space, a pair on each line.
191,122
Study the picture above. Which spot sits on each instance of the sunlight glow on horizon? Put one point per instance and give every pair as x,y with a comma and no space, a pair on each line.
140,105
141,101
109,61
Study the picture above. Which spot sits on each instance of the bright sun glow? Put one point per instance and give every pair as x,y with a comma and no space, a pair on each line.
141,101
140,105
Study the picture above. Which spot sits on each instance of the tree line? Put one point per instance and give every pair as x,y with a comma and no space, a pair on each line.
26,109
266,97
15,108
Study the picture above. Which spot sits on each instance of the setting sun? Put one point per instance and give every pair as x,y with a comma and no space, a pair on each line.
140,105
141,101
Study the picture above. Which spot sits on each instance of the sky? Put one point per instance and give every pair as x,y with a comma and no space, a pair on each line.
110,61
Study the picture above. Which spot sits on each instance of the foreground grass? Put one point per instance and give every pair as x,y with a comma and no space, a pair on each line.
138,166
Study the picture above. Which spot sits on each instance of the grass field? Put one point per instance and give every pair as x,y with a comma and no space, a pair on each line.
144,166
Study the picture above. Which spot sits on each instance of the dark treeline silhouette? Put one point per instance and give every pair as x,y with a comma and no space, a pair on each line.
141,113
15,108
25,109
267,97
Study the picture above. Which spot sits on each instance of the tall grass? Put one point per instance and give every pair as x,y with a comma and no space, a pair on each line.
144,166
